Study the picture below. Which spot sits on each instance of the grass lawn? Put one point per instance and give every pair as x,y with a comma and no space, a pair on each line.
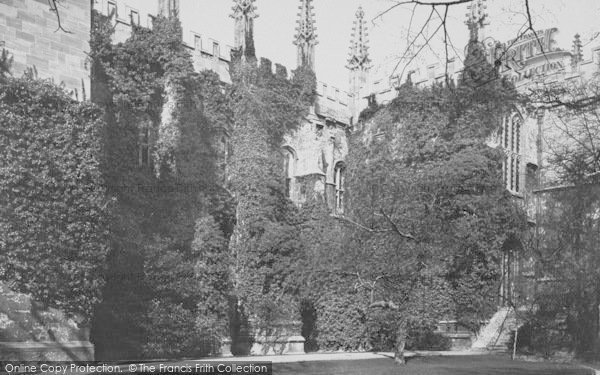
467,365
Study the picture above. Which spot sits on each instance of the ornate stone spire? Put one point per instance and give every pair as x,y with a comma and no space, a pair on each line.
358,58
576,52
306,36
359,62
477,19
244,13
168,8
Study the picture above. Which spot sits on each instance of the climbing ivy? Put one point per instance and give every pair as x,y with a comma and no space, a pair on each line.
154,101
427,190
53,210
265,106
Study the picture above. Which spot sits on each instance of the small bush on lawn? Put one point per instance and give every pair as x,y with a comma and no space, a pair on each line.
426,339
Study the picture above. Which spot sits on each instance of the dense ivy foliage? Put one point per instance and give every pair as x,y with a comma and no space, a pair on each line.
53,211
333,307
265,106
566,304
429,209
172,218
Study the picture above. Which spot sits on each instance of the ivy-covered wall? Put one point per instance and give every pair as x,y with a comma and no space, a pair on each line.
54,213
172,215
265,107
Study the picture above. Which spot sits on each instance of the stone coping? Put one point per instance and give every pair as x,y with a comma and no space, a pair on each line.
456,335
24,345
279,339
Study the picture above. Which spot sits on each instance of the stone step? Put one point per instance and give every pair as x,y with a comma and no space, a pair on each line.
496,334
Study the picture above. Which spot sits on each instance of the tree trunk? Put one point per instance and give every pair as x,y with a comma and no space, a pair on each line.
400,343
514,351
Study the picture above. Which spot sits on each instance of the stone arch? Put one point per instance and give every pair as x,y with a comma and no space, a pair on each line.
510,271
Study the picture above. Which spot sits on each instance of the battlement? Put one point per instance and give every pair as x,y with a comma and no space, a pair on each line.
333,103
210,54
124,15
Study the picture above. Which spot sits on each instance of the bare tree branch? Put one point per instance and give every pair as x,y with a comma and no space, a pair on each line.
396,229
445,44
54,8
406,51
385,305
349,221
527,27
420,49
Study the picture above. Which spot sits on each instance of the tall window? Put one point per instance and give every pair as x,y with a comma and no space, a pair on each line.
144,145
216,51
198,43
289,168
511,141
223,148
338,179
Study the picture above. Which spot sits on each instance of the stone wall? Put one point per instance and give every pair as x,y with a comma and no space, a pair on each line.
29,31
318,145
32,332
211,54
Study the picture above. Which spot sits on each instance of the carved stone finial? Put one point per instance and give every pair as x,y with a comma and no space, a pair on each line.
168,8
244,8
244,13
477,18
358,58
306,36
577,51
359,62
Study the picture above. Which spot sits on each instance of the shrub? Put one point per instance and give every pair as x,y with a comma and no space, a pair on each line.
383,327
341,322
171,332
426,339
543,335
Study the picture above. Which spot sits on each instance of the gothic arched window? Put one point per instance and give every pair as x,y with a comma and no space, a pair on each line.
511,141
338,179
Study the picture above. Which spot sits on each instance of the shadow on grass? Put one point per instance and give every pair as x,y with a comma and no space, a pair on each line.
459,365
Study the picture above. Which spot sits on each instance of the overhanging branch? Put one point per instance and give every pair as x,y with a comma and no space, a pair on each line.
54,8
402,234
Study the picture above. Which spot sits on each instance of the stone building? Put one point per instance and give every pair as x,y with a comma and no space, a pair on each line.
527,135
51,46
56,44
314,155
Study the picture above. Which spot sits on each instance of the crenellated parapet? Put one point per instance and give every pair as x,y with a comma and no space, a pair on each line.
211,54
315,151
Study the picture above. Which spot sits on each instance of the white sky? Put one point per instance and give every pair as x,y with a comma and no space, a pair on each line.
274,28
